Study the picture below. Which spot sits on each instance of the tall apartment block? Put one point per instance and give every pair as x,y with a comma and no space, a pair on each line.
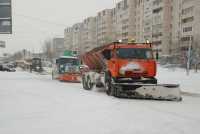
68,38
168,24
148,20
58,47
77,37
104,25
88,34
162,26
121,23
131,17
190,24
125,20
139,20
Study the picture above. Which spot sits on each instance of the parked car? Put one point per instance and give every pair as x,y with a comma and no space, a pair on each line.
7,68
1,67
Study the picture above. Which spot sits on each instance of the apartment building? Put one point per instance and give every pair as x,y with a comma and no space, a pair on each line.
168,24
77,37
139,20
147,20
104,25
121,22
132,19
127,20
162,26
68,38
88,34
197,28
176,28
58,47
131,15
190,20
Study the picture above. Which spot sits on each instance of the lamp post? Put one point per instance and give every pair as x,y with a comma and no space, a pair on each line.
189,55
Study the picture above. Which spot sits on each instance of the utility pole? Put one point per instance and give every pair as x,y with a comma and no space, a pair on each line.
189,56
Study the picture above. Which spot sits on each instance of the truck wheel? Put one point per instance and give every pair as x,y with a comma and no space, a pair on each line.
108,88
90,85
84,83
108,85
155,81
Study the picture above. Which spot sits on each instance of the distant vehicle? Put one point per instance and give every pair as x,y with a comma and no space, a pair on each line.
36,65
1,67
67,69
7,68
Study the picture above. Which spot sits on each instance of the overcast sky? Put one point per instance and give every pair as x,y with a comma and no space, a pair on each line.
37,20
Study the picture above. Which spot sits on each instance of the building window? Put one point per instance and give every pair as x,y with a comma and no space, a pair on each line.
157,2
125,4
186,38
187,20
188,10
157,10
187,29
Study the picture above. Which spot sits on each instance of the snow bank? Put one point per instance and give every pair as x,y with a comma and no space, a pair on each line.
189,83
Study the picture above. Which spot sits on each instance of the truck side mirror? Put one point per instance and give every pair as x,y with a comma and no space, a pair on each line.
107,54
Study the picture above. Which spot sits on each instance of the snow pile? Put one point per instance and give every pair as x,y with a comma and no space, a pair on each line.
189,83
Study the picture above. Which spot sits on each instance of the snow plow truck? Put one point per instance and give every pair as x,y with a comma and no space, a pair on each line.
126,70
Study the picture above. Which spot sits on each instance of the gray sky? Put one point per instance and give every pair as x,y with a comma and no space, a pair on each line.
37,20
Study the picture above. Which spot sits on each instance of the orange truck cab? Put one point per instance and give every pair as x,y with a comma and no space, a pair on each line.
130,63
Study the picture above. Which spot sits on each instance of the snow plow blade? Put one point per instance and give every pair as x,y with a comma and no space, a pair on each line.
168,92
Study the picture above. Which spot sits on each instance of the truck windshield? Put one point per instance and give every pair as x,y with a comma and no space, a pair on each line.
134,53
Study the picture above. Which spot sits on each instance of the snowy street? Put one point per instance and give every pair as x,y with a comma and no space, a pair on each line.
34,104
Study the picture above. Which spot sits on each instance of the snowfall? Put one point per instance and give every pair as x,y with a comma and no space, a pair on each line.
35,104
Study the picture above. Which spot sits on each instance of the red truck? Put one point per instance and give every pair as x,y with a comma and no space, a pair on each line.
126,70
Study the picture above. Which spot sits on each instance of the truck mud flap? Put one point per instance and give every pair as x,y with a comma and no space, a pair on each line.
169,92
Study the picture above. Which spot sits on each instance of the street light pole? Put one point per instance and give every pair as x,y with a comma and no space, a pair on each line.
189,55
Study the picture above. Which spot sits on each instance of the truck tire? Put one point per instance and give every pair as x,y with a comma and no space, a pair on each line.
108,84
87,83
84,83
108,88
90,85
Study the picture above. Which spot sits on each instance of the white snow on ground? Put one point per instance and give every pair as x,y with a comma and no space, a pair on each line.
34,104
189,83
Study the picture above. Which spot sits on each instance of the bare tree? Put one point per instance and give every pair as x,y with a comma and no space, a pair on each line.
47,49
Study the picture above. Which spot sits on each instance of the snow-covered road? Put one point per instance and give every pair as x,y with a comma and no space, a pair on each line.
34,104
189,83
